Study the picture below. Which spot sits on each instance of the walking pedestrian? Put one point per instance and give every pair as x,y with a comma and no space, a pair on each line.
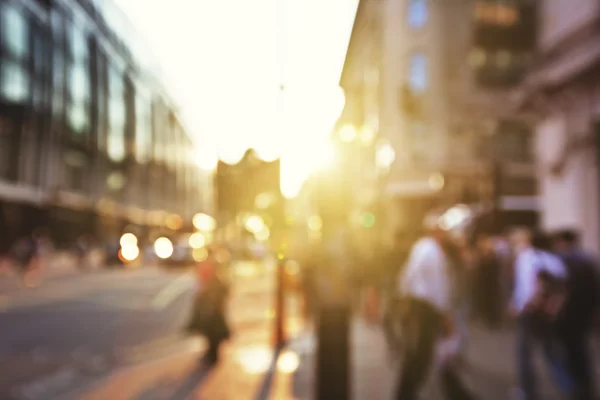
427,285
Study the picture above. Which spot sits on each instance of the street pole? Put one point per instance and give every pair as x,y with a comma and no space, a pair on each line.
280,336
334,316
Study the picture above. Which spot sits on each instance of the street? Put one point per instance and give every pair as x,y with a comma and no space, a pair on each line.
120,334
74,330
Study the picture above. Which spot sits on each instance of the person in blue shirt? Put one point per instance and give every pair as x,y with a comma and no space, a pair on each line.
534,260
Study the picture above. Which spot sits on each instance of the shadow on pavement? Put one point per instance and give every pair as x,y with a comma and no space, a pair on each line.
267,383
184,388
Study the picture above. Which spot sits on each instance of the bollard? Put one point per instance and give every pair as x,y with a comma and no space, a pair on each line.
280,338
333,354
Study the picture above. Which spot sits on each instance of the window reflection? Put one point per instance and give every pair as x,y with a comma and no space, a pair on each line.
417,13
15,48
14,32
15,81
143,127
79,81
418,73
116,135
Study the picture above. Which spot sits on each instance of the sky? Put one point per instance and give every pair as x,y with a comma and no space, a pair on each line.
225,60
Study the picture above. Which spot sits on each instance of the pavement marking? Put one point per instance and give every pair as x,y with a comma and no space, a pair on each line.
41,388
172,291
4,303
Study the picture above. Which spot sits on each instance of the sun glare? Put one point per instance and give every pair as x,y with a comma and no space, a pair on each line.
227,70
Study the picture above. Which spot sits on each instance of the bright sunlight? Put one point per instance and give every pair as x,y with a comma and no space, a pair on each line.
230,89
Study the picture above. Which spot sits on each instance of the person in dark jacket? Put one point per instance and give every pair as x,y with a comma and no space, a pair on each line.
579,311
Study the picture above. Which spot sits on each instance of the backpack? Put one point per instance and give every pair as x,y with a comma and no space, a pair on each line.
549,299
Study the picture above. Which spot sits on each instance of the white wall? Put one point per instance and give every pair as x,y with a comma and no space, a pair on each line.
569,200
560,18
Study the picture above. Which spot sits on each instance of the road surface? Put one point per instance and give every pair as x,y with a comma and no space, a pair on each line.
74,330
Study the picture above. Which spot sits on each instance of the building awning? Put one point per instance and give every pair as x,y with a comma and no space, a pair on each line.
519,203
412,188
20,193
553,74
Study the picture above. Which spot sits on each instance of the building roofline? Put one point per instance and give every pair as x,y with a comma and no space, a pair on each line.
360,12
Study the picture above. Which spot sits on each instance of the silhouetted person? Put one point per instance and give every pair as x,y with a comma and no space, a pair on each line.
488,286
427,283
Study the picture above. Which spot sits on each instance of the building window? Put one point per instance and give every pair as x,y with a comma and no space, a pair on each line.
15,48
160,126
418,77
15,32
478,58
116,111
417,13
79,81
496,13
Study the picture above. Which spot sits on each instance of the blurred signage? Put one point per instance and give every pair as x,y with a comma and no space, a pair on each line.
519,203
425,186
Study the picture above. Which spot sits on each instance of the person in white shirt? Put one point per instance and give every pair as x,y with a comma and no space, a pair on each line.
533,259
426,284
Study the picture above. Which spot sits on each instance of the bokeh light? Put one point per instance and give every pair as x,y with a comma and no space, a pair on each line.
315,223
385,155
254,224
200,254
128,239
263,235
197,240
204,222
288,362
163,248
348,134
129,253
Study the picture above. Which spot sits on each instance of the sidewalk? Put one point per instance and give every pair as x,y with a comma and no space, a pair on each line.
489,373
372,371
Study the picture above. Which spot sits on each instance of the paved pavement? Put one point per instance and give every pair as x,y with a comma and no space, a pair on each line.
489,371
250,367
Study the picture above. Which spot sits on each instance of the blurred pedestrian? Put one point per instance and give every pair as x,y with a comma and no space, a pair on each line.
532,304
209,312
26,257
487,286
578,315
427,284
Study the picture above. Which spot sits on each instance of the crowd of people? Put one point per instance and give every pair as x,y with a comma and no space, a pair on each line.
545,285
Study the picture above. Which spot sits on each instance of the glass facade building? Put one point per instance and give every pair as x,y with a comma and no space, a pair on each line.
82,113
